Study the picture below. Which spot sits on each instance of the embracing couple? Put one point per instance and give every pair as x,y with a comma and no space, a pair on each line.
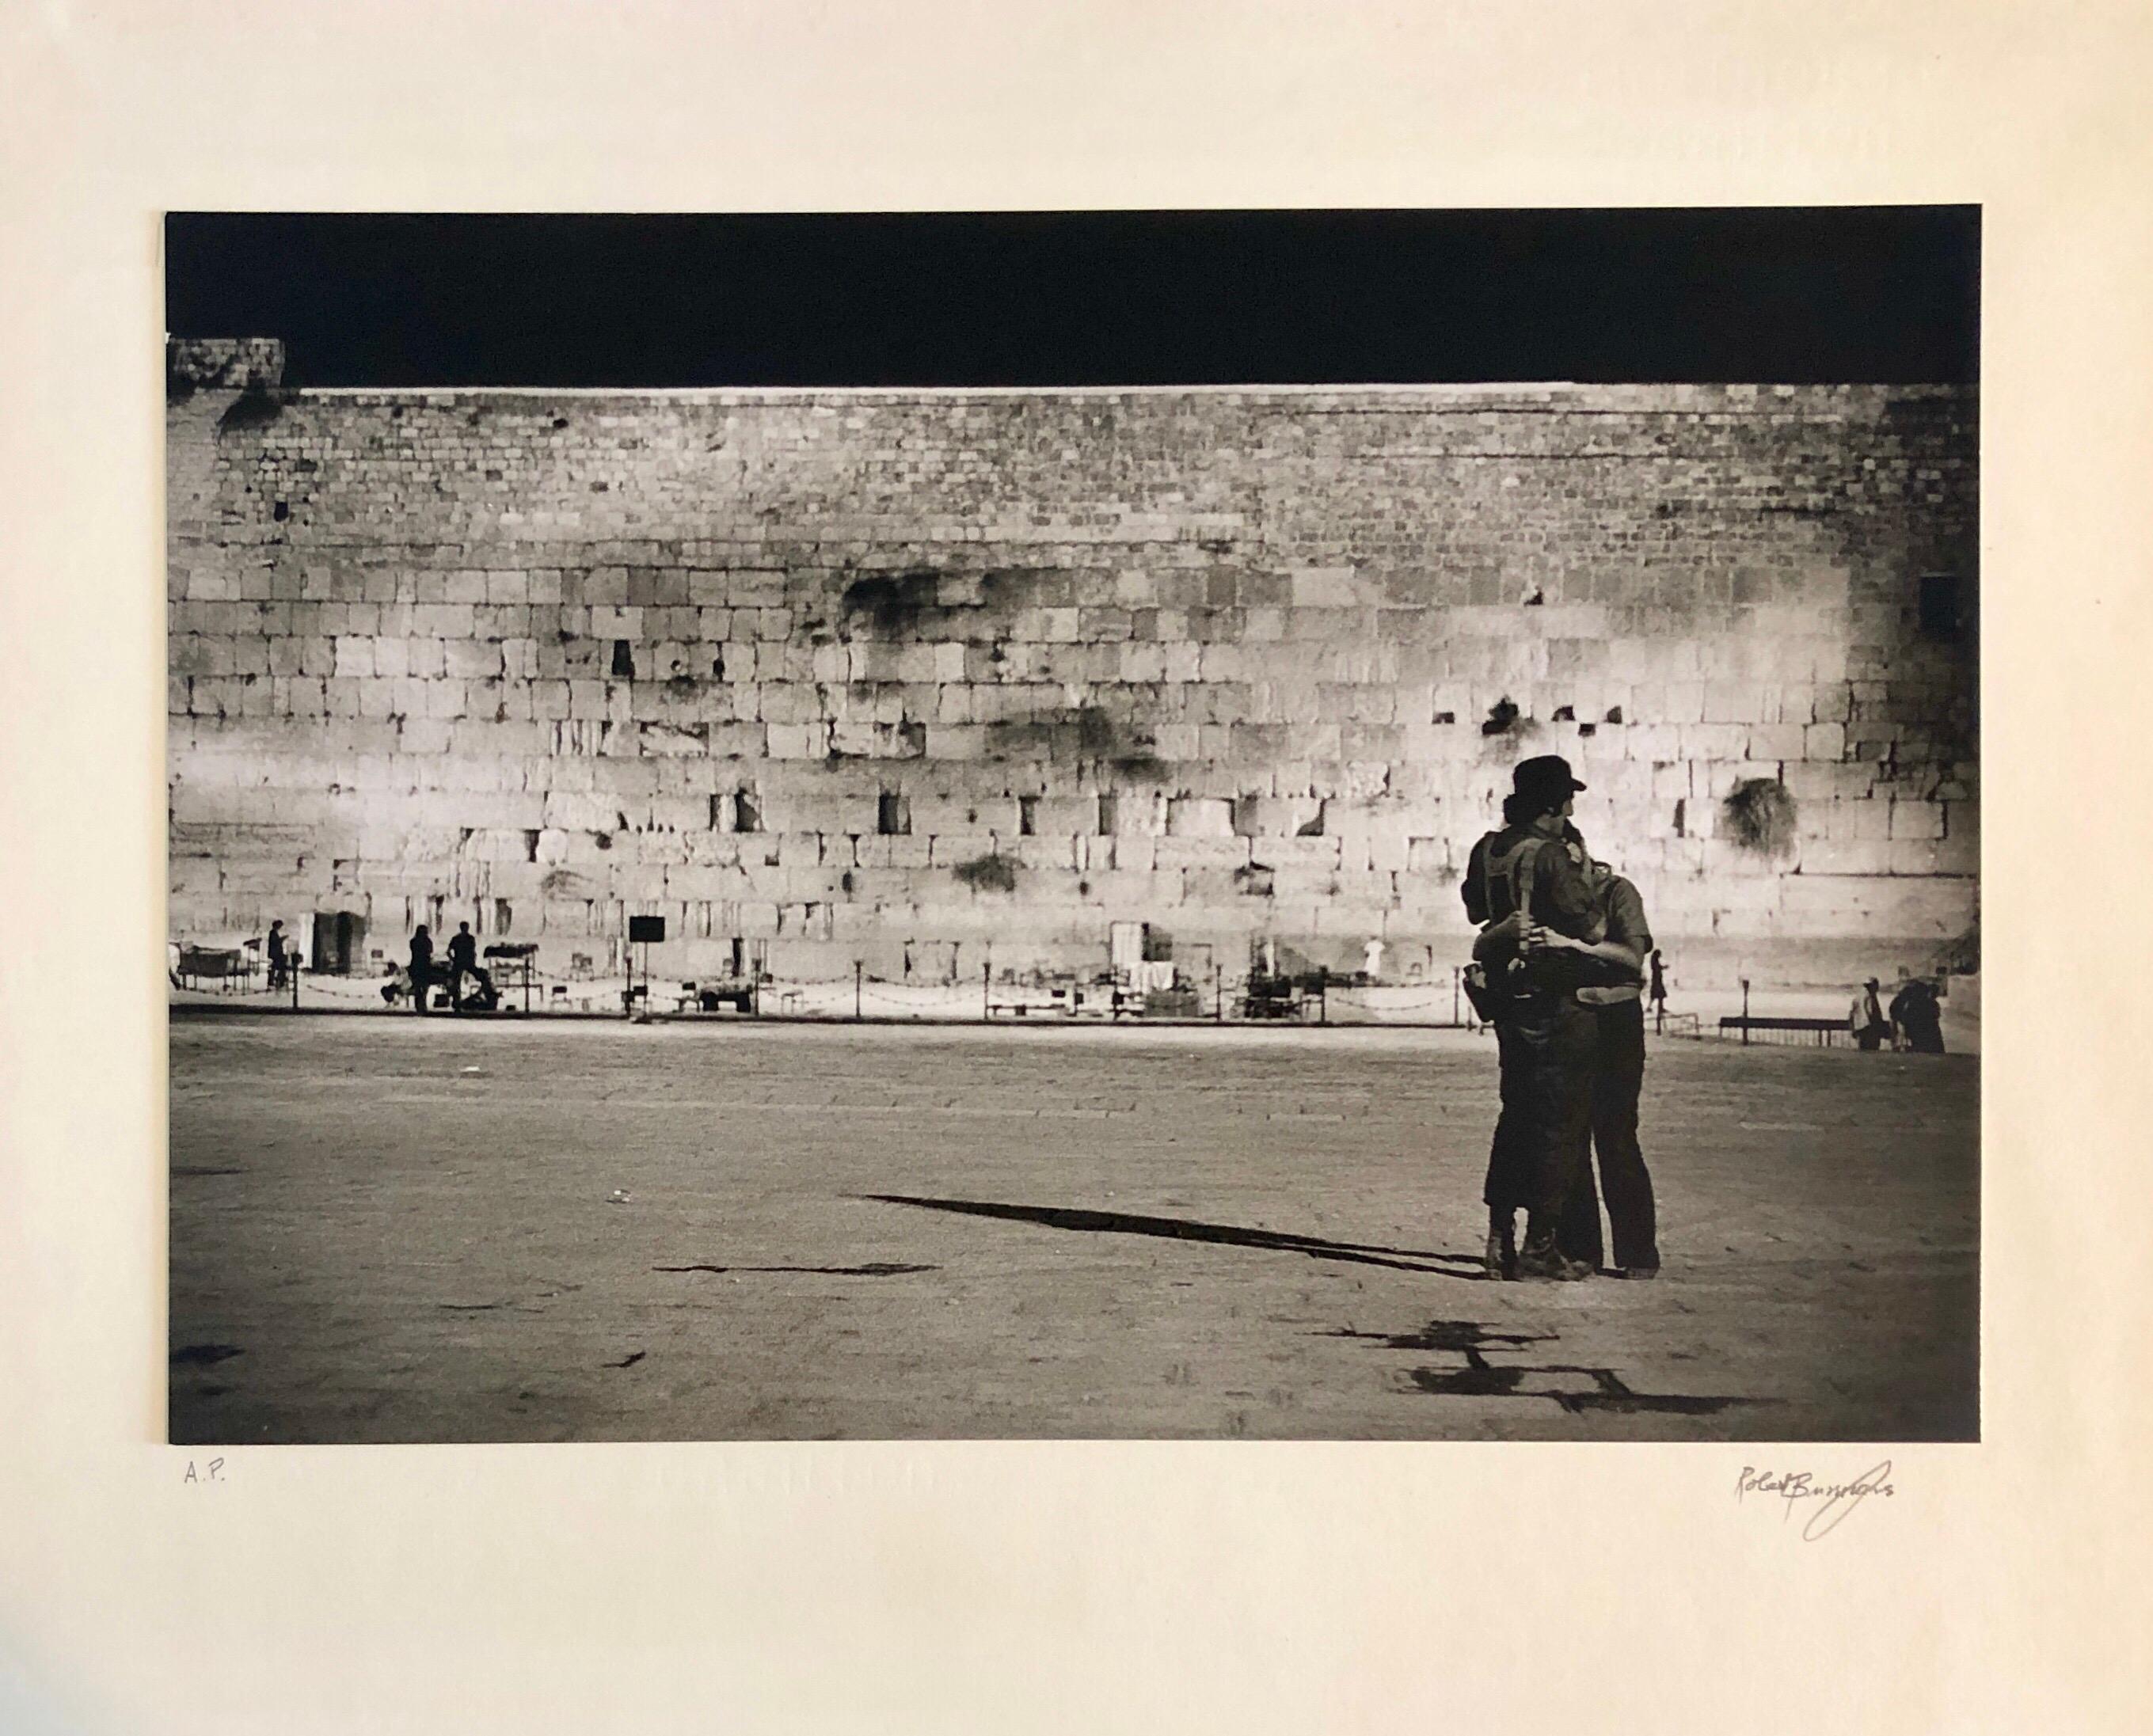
1558,970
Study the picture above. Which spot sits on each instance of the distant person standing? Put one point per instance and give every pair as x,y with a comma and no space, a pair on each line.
422,966
1918,1015
280,961
463,961
1658,992
1865,1018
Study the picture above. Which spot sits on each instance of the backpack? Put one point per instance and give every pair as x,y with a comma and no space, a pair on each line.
1506,890
1503,888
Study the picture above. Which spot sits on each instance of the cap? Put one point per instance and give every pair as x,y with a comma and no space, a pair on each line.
1546,779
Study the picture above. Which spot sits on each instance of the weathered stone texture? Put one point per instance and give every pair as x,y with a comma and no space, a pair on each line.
1233,662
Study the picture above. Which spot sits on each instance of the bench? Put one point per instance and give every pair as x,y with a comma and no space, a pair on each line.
1824,1030
224,966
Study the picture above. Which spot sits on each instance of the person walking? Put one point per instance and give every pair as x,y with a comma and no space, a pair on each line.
1618,1079
422,966
1658,992
1526,888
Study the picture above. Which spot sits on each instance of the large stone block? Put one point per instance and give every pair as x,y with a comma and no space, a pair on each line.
1917,819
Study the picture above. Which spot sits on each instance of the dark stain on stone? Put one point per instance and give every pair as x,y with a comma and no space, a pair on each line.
204,1356
1760,815
1078,732
892,605
630,1360
1501,715
993,872
196,1170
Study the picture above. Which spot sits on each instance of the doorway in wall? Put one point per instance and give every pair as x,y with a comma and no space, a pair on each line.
339,942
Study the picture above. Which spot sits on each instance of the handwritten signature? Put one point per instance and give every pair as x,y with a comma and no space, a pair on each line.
1837,1500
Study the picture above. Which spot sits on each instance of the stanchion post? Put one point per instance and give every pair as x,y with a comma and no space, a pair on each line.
1745,1012
1217,994
987,990
857,967
1323,994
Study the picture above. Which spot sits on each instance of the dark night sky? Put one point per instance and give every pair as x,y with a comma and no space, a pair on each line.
1881,294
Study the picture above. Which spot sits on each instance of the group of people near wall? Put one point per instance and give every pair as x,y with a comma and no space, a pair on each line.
1913,1022
423,973
1560,970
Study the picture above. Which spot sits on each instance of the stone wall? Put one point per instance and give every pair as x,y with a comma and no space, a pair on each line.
788,668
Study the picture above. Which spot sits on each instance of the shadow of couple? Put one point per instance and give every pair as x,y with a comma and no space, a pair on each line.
1175,1229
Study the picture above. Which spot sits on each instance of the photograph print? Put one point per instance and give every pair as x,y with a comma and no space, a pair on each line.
1342,826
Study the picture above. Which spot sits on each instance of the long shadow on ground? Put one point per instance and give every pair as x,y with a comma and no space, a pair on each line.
1177,1228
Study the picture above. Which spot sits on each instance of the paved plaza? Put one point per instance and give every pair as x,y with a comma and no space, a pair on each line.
386,1228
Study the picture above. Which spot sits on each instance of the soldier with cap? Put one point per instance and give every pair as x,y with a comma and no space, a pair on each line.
1529,889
